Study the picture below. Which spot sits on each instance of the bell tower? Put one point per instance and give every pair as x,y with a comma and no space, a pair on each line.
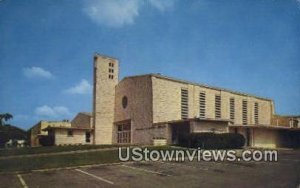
106,76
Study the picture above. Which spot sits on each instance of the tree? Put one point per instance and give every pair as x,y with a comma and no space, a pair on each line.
5,117
8,132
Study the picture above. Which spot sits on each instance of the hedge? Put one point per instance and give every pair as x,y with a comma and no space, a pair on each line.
46,141
216,141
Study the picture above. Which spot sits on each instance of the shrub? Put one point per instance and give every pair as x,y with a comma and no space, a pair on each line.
216,141
47,141
8,132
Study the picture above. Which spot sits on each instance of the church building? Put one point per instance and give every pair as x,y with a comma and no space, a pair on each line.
145,108
156,109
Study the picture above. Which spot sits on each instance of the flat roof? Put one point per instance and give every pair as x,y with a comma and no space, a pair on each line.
68,128
55,121
265,127
286,116
197,84
192,119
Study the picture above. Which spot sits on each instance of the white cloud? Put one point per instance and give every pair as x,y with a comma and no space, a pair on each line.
37,72
162,5
56,111
117,13
298,2
114,13
84,87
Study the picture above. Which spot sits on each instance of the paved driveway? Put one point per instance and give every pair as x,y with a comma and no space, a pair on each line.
284,173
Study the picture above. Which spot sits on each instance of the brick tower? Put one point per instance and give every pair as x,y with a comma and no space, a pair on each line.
106,75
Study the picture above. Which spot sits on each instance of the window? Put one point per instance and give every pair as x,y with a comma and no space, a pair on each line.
232,110
70,132
202,104
111,76
111,70
124,133
184,104
245,112
217,106
294,123
256,113
87,137
124,102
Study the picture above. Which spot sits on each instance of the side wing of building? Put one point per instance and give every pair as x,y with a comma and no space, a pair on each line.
145,105
176,100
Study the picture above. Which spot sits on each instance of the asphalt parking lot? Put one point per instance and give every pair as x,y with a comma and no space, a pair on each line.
284,173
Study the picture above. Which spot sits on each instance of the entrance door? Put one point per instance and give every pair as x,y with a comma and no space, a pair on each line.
124,133
180,134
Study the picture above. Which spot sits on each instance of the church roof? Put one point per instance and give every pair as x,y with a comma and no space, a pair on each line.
157,75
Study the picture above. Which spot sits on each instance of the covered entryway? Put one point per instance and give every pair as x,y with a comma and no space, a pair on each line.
180,133
268,136
124,132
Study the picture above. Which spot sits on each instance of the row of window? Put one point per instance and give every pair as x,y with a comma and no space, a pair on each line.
202,104
256,113
184,103
218,106
245,111
111,70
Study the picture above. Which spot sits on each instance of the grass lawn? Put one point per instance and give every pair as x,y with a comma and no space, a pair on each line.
64,160
49,149
57,161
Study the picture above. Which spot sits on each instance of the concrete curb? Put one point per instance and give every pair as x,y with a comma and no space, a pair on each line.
63,168
58,153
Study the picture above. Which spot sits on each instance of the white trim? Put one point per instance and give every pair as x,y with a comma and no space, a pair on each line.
94,176
22,181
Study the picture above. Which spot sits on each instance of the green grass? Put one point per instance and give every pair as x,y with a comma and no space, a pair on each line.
49,149
26,164
58,161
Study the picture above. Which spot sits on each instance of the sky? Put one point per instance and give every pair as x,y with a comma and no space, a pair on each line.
47,48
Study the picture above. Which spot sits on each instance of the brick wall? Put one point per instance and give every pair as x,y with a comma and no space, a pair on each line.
82,120
62,138
138,92
104,98
167,101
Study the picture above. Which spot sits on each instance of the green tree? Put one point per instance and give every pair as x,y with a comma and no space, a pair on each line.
5,117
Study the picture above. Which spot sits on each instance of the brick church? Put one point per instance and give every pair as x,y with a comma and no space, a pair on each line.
140,109
150,108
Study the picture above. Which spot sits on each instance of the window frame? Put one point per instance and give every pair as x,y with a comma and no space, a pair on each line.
202,104
184,103
70,133
218,106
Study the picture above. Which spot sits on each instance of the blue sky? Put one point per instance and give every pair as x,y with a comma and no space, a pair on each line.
46,49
